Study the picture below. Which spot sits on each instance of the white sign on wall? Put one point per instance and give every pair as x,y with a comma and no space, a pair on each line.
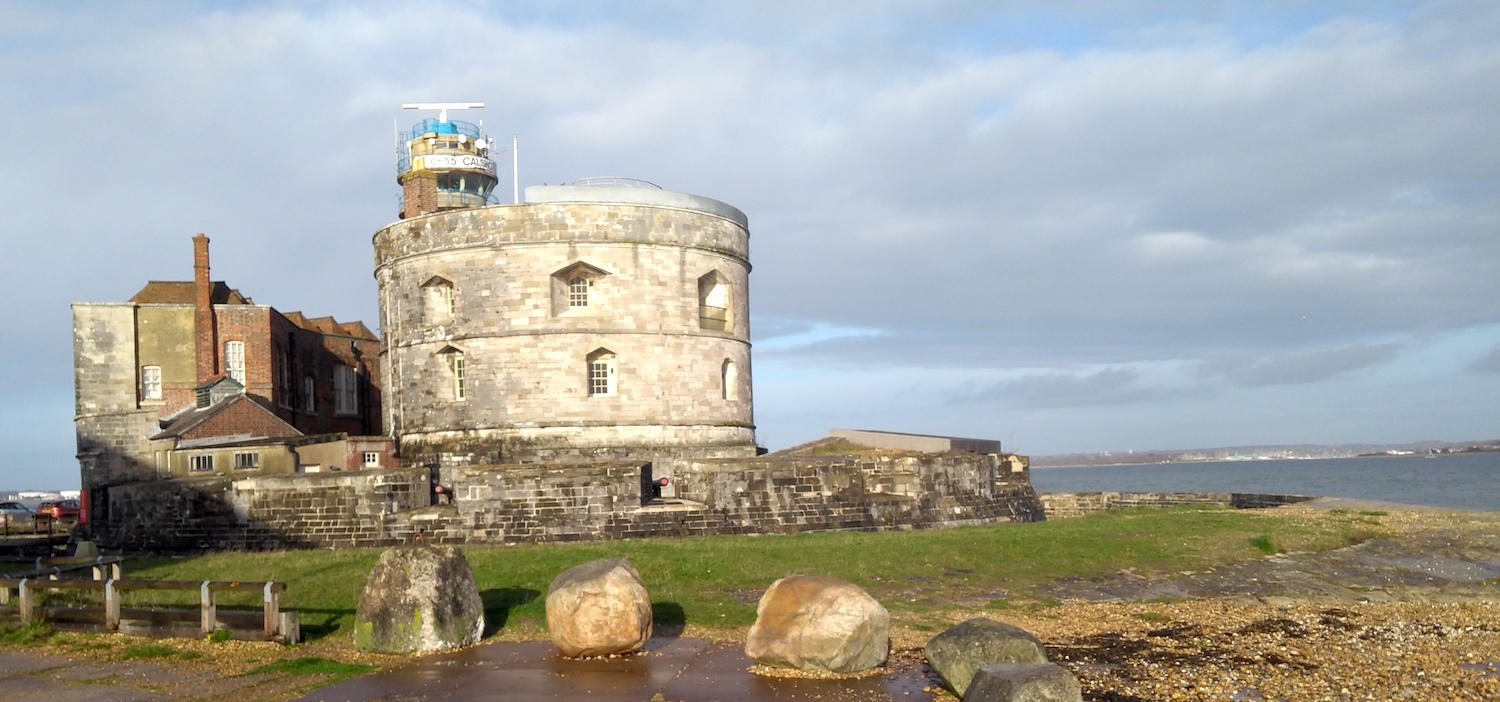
464,161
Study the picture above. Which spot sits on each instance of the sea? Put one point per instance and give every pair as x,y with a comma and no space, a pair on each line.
1454,481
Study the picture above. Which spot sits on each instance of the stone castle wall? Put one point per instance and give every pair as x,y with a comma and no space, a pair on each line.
679,384
536,503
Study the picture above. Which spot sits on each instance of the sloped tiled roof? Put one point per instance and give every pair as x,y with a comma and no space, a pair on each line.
329,325
178,292
186,421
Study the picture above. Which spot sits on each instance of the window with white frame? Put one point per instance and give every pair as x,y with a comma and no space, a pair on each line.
234,360
309,395
200,464
151,382
601,373
578,291
456,367
345,390
246,460
372,459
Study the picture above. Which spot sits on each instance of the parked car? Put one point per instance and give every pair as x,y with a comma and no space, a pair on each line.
59,510
14,513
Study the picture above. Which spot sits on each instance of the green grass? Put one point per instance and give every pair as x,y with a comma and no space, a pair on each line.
314,666
1265,544
31,634
715,581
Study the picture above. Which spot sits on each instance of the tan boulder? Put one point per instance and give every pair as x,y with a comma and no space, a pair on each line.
819,623
599,608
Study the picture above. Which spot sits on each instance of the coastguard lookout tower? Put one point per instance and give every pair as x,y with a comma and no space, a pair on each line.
443,164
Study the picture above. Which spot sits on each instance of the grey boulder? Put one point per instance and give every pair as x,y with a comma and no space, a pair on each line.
956,654
1024,682
419,599
817,623
599,608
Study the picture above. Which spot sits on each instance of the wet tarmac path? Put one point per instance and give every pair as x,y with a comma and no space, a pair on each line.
670,670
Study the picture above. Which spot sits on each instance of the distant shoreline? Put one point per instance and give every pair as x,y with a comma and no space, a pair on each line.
1155,458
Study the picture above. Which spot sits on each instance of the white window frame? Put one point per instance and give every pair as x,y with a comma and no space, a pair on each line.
578,291
246,460
234,360
601,374
151,383
371,459
309,395
345,390
202,463
457,366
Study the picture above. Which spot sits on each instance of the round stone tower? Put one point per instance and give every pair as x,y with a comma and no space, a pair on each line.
598,320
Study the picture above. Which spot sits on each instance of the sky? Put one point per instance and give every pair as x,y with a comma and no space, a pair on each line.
1153,225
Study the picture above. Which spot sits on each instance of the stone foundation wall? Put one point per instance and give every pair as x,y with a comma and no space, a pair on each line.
536,503
1062,505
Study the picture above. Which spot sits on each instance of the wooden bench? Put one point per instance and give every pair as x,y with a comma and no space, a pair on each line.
272,625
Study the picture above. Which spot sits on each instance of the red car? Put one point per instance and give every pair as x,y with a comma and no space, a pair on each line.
59,510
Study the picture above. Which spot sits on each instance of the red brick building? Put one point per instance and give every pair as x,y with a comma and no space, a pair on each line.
138,364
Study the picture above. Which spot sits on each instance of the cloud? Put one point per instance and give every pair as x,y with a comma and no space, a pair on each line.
1305,367
1050,200
1106,386
1488,364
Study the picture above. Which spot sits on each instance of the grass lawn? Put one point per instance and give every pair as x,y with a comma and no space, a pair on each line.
714,582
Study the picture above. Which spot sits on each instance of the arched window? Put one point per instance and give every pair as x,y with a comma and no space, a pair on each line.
729,378
715,303
578,291
601,373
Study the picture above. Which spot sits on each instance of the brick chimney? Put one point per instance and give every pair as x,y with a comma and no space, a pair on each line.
205,333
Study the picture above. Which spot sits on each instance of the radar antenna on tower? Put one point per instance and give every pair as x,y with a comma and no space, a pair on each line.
444,164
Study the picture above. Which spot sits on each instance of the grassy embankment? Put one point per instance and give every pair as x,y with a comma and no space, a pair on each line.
713,583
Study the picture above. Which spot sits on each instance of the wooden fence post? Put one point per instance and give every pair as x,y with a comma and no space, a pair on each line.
209,609
111,606
25,603
272,608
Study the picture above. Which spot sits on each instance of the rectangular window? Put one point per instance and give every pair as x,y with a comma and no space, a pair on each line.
345,390
200,463
458,375
234,360
601,377
151,382
246,460
372,459
309,395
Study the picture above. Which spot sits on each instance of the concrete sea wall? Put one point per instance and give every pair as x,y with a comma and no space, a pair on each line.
1062,505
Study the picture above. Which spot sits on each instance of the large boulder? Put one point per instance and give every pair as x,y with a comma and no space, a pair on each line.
818,623
419,599
957,653
1024,682
599,608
